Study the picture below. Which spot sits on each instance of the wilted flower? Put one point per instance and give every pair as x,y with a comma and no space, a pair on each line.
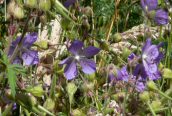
79,55
149,5
29,57
161,17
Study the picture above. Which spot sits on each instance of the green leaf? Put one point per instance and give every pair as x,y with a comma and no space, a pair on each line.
36,91
12,78
71,89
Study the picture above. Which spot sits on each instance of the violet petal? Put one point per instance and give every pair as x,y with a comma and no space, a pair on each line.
91,51
70,70
88,66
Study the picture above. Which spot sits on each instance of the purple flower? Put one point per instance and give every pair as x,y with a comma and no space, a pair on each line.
161,17
29,57
123,74
67,3
140,86
150,59
149,5
79,55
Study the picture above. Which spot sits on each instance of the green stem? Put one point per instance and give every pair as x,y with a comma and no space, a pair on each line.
151,109
45,110
163,94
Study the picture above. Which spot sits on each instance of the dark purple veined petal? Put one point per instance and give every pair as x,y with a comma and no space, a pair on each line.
88,66
123,74
140,87
90,51
30,39
161,17
152,68
66,61
30,57
149,4
70,70
139,71
154,76
152,53
68,3
147,45
76,46
131,56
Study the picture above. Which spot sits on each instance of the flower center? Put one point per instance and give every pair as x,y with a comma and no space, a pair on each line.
77,57
144,56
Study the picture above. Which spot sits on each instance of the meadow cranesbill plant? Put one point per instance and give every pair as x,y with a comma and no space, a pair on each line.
26,55
79,55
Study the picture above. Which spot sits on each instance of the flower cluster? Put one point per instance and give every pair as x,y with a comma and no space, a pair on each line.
146,70
79,55
26,55
150,7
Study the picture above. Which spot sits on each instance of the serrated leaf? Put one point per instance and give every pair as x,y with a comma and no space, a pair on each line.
12,78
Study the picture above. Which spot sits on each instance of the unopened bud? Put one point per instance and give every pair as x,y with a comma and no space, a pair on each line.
152,86
115,38
144,96
31,3
156,104
45,5
19,12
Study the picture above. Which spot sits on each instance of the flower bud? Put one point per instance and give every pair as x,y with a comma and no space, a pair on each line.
126,52
167,73
49,104
77,112
18,12
45,5
31,3
42,44
152,86
115,38
156,104
144,96
90,77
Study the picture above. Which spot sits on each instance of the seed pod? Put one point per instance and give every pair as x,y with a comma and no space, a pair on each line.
144,96
115,38
19,12
45,5
31,3
156,104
